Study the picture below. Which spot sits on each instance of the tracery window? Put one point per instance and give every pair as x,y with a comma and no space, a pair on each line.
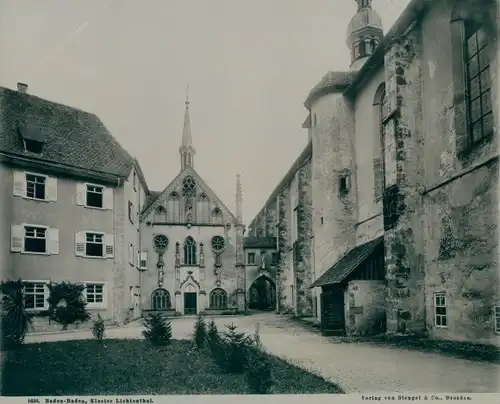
218,299
160,243
218,244
160,300
160,214
217,216
189,251
188,187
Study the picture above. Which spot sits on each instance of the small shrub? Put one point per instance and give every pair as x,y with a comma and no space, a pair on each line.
200,333
258,372
158,329
98,330
235,345
66,303
16,320
258,366
216,345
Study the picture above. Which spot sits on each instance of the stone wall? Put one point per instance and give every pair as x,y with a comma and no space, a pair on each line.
285,265
365,308
303,258
404,176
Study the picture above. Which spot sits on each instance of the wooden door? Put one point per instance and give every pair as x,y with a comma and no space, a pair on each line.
332,311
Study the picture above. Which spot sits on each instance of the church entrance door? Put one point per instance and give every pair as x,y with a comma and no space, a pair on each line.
190,305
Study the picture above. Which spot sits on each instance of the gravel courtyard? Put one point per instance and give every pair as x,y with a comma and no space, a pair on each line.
355,367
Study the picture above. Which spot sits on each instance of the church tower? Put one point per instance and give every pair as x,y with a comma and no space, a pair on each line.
364,33
187,150
240,260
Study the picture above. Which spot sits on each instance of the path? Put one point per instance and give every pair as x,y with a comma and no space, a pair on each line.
355,367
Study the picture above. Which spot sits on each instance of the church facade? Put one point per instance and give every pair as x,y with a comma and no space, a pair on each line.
191,245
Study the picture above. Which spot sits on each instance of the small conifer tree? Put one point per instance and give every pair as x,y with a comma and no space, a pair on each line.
236,346
98,329
158,329
258,366
200,333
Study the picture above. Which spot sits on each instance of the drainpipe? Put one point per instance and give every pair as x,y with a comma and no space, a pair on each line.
140,248
118,183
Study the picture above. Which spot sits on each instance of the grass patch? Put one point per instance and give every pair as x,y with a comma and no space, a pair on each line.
457,349
128,367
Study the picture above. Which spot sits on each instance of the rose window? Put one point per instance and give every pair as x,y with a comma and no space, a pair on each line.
218,243
160,243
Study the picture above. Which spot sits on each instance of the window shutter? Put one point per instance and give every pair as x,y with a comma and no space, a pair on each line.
53,239
16,238
52,189
80,244
19,183
108,198
80,193
110,245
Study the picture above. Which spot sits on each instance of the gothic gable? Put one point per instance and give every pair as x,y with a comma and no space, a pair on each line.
188,199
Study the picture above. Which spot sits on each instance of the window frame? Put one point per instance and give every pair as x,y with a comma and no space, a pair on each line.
40,226
169,300
94,305
439,315
45,177
103,188
496,319
99,233
254,261
131,212
45,291
190,250
468,78
221,295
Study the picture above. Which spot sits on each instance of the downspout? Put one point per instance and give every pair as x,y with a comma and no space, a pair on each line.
139,208
118,183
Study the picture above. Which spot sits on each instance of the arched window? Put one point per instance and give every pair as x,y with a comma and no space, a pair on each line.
218,299
160,300
217,216
188,187
380,113
160,214
203,209
373,46
189,251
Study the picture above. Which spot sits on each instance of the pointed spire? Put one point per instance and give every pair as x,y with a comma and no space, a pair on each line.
239,199
187,150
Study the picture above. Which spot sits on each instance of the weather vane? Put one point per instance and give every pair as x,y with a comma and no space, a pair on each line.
187,94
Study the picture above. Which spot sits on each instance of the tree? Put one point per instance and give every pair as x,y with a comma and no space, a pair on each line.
200,333
98,330
67,304
158,329
16,320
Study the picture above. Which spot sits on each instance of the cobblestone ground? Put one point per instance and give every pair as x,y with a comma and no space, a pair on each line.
355,367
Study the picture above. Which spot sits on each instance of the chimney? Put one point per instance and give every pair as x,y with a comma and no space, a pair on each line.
22,88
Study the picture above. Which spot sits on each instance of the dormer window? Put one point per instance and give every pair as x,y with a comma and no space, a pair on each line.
32,146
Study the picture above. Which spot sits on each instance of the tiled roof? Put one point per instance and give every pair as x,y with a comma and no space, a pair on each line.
72,137
348,263
150,198
302,159
331,81
259,242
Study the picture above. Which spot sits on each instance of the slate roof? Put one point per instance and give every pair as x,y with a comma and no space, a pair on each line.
348,263
331,82
259,242
150,198
72,137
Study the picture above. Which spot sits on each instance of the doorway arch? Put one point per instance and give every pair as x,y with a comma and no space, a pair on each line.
262,294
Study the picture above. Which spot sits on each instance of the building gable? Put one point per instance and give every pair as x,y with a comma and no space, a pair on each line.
176,186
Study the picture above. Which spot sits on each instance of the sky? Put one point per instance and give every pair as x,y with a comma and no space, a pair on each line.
249,66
